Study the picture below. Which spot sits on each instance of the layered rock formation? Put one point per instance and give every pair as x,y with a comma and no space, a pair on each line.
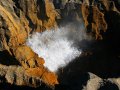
20,18
93,14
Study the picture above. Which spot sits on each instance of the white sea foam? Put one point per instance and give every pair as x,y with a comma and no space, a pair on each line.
56,46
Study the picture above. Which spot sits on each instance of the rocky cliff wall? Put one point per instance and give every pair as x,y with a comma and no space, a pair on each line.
20,18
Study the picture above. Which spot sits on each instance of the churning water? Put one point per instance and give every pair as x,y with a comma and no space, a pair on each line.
57,47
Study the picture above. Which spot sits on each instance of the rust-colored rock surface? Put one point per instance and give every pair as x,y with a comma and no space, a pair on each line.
19,18
93,15
40,14
46,76
34,77
94,20
27,58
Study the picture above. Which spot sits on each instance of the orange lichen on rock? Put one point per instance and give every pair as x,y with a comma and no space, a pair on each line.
34,65
27,57
36,72
50,78
46,76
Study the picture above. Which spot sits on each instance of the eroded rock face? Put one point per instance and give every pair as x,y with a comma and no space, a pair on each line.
20,76
12,30
93,13
94,16
40,13
94,20
19,18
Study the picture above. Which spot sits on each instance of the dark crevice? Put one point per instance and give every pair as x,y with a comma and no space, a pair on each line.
57,4
7,38
90,19
31,24
41,14
30,80
17,4
7,59
108,86
15,78
17,11
6,86
117,4
17,7
72,80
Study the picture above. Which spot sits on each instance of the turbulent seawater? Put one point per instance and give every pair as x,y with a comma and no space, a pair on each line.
57,47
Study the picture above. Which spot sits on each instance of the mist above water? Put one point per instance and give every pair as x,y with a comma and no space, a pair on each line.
58,47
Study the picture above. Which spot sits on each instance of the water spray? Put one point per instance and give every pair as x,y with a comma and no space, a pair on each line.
57,47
